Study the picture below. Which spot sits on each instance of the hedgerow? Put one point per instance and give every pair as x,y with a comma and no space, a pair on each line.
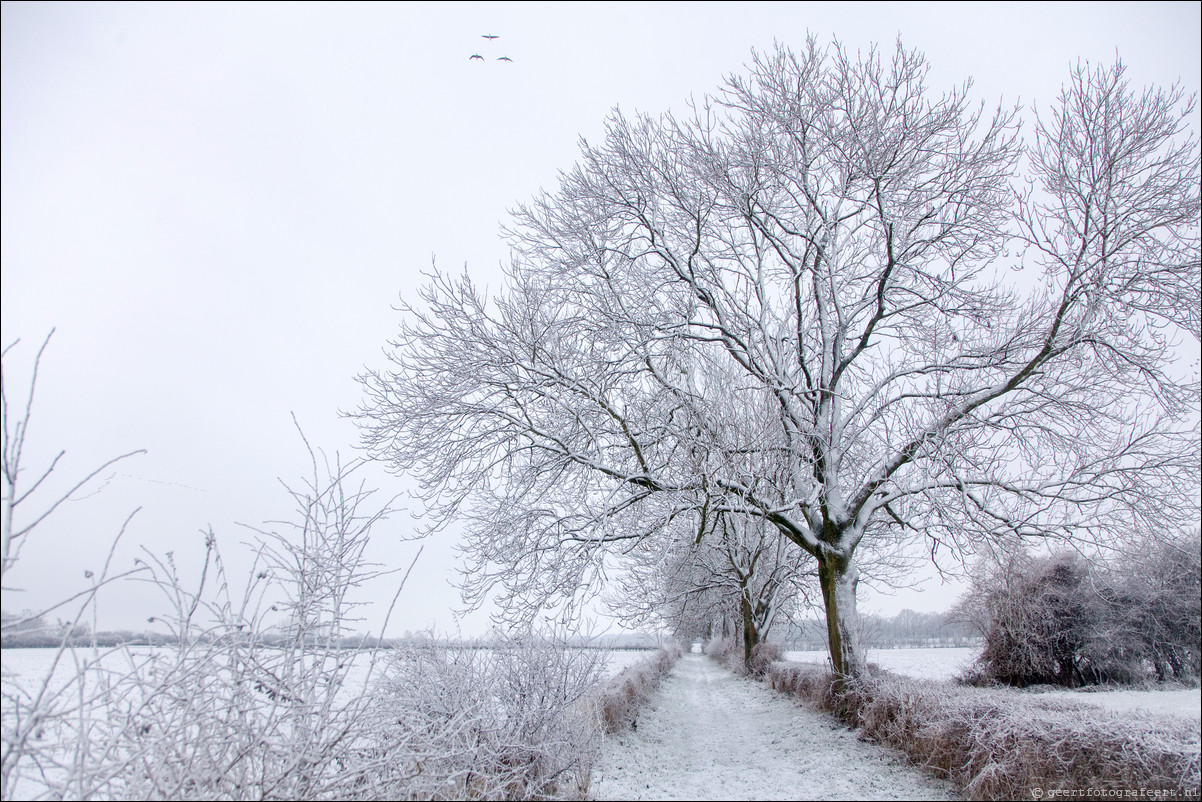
622,698
1007,744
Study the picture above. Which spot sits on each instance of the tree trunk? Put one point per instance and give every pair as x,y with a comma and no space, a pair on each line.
838,577
751,634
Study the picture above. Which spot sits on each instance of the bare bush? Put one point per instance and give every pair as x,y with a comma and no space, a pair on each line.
1061,620
1153,626
252,699
1036,614
256,696
241,707
728,652
506,722
265,693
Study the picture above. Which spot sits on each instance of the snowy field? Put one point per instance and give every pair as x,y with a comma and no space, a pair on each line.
30,665
941,664
622,658
946,664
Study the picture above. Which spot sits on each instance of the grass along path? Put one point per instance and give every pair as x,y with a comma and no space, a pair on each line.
709,734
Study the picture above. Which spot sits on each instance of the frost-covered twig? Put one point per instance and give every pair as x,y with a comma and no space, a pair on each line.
42,714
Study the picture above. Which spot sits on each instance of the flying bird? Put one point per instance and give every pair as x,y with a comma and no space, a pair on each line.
504,58
489,36
475,56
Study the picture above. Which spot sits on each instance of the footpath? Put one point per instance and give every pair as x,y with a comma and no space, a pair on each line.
709,734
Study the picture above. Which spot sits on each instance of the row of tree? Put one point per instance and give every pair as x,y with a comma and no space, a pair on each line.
827,315
30,630
906,630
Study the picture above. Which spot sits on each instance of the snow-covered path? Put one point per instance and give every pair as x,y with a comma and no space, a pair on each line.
711,735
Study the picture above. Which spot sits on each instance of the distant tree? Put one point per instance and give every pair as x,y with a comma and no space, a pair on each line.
25,621
906,629
823,247
741,577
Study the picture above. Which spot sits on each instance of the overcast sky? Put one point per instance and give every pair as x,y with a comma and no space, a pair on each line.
217,205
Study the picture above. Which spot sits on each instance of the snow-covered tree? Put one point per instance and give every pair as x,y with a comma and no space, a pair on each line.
741,577
823,247
1062,619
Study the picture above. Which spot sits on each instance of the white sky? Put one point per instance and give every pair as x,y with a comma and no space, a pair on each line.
217,204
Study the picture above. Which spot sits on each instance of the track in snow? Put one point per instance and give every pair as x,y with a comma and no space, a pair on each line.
709,734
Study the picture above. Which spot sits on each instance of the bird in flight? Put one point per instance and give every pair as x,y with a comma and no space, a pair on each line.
504,58
489,36
476,56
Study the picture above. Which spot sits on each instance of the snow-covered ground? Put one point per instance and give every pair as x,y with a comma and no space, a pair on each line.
942,664
1184,703
709,734
946,664
619,659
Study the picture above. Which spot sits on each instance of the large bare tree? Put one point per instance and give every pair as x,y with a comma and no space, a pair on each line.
797,303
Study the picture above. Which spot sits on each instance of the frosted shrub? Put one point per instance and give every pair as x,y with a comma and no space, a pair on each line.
1060,620
252,699
507,722
1154,626
763,655
227,714
728,652
255,699
1036,615
1004,744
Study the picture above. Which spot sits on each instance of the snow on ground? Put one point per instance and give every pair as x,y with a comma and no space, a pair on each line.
709,734
619,659
943,664
1185,703
947,664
